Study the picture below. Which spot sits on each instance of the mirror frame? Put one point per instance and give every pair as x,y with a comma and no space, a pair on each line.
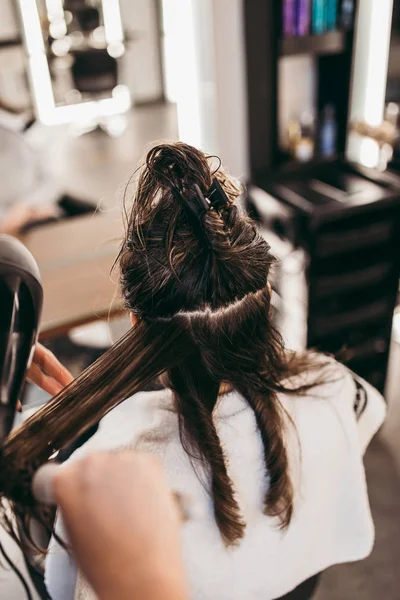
39,73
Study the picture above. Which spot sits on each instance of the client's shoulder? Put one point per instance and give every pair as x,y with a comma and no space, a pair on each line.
142,408
321,376
127,421
327,378
330,385
325,382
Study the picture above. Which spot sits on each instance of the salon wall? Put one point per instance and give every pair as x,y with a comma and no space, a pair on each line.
8,22
231,85
13,82
294,73
205,76
142,62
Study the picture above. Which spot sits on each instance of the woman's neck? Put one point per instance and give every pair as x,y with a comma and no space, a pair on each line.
224,388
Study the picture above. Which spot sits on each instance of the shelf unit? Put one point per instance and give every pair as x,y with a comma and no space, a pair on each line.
332,42
344,220
265,47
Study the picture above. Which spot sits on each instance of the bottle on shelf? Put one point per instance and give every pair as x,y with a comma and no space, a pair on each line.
303,17
289,17
294,136
331,14
302,137
319,16
347,14
328,132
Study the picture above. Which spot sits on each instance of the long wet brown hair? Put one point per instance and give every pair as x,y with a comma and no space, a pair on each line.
204,321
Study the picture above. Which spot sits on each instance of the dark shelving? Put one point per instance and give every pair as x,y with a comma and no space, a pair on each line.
332,42
332,53
344,217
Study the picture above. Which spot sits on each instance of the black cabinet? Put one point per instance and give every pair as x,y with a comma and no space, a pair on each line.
347,222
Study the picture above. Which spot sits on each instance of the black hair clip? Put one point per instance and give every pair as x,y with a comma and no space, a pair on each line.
216,195
198,205
195,208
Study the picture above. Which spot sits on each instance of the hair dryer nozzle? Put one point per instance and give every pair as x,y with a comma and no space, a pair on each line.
21,298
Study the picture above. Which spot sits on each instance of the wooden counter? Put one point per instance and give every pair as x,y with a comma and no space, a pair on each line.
75,257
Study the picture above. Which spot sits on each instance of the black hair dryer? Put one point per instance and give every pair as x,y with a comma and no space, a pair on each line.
21,299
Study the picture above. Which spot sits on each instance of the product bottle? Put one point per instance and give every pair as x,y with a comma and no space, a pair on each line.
319,16
304,150
328,132
289,17
347,14
303,17
294,136
331,14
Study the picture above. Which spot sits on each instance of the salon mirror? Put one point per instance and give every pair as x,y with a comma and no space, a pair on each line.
371,131
74,50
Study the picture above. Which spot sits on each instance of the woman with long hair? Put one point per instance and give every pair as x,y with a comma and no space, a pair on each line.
267,443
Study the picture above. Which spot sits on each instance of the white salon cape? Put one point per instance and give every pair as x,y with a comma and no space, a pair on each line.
332,520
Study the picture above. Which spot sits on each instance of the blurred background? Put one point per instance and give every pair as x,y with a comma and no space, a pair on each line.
300,98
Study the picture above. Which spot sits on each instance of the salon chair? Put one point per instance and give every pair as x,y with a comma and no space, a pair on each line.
94,71
88,18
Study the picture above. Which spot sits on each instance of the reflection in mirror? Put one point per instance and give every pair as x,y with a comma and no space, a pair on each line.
74,48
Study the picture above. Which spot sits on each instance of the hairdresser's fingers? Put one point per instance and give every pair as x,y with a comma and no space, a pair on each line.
51,365
43,483
48,384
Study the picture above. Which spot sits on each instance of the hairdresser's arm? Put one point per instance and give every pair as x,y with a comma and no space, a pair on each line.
123,526
47,372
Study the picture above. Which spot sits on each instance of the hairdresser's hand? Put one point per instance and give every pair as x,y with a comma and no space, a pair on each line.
47,372
123,526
